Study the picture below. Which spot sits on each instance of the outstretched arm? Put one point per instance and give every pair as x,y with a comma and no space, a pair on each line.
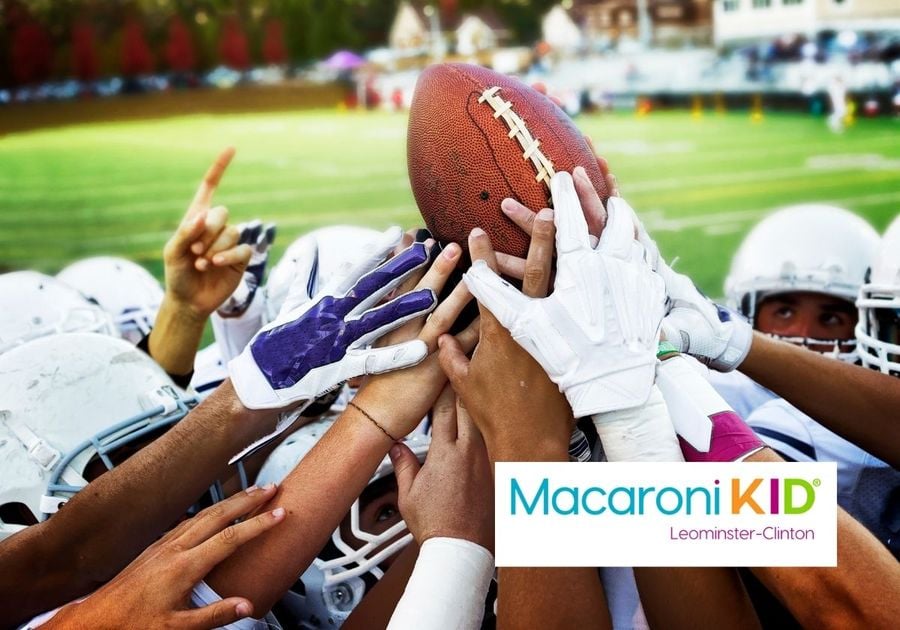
204,263
858,404
862,591
448,506
531,421
320,490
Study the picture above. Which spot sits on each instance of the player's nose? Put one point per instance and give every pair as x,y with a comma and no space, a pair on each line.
800,326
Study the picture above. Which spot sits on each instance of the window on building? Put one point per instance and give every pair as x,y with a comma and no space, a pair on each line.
790,2
762,4
669,12
731,5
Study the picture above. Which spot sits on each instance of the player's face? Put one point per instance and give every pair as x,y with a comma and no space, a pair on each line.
807,316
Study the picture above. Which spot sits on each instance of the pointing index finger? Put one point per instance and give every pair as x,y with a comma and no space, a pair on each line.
203,197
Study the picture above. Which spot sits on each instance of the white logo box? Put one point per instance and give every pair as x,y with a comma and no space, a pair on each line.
608,528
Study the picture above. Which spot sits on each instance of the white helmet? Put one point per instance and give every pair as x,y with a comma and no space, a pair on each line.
878,328
317,256
120,287
815,248
339,577
67,404
34,305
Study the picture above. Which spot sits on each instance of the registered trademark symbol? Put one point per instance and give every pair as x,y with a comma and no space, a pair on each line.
817,483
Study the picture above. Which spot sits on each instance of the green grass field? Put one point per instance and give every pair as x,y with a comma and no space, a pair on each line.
120,188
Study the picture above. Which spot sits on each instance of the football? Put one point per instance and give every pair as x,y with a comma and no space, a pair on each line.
476,137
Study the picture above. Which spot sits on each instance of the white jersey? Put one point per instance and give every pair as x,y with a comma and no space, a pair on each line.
741,392
868,488
209,370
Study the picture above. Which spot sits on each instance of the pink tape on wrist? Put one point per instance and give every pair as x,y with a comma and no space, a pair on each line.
731,440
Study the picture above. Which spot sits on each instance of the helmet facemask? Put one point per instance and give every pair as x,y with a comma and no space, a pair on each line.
878,329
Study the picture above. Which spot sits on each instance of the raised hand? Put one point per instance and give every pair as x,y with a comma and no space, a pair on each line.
311,348
203,260
451,496
519,411
596,334
400,399
695,325
594,214
155,589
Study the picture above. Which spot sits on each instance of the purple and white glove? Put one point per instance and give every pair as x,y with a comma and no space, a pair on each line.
260,238
310,349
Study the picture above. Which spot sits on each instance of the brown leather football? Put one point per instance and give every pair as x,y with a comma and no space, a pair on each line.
476,137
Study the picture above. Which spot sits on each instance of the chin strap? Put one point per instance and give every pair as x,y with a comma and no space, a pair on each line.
39,450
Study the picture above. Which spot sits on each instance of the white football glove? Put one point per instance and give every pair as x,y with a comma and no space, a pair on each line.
596,335
695,325
712,334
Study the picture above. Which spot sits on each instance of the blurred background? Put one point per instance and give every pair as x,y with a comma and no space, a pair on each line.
711,113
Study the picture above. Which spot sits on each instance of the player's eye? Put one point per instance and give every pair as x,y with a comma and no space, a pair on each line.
832,319
784,312
386,513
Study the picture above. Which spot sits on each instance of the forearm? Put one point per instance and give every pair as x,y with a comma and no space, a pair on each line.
856,403
317,495
531,598
688,597
524,447
176,336
861,591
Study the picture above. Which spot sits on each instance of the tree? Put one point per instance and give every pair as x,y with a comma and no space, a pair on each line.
180,55
274,51
137,58
233,48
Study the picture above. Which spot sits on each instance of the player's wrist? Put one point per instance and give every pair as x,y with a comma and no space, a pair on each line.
629,386
737,348
182,310
547,447
235,409
383,405
641,433
467,535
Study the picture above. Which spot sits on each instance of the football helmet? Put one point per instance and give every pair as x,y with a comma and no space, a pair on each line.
34,305
120,287
336,581
878,328
806,248
69,403
317,256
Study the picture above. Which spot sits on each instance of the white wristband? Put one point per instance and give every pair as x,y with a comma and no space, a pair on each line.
447,588
639,434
